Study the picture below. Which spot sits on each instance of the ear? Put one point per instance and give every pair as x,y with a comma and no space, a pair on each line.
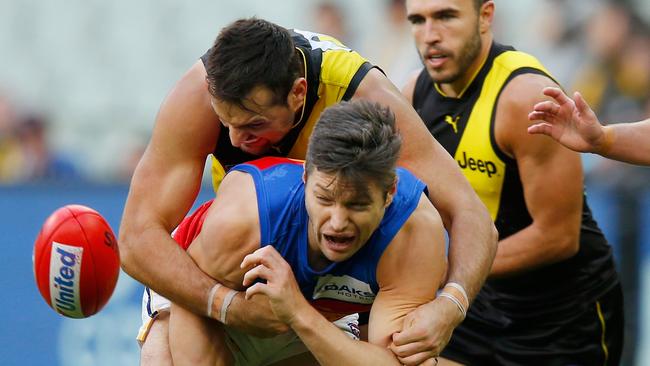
486,15
391,193
297,94
304,174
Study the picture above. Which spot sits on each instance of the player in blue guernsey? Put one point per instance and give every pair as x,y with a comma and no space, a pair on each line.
347,233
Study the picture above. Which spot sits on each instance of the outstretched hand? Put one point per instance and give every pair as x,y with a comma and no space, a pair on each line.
426,331
571,122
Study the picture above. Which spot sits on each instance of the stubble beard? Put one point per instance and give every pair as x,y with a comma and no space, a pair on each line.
466,57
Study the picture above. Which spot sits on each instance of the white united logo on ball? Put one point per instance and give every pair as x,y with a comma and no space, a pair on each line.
65,275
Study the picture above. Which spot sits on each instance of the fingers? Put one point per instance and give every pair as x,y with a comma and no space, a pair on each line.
407,349
264,255
547,107
260,271
539,116
430,362
258,288
557,94
408,336
413,353
581,104
541,128
417,359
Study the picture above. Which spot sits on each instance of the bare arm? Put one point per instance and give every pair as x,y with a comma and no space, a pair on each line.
472,234
409,272
573,124
163,188
471,251
230,231
552,179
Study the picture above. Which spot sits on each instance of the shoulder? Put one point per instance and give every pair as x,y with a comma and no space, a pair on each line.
232,220
236,202
524,89
520,95
526,77
424,220
186,116
517,99
412,266
421,237
409,88
230,230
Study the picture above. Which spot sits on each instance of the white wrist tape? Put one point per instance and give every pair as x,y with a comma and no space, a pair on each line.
460,288
211,294
455,301
226,303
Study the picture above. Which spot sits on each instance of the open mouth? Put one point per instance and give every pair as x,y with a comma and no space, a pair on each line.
437,60
338,242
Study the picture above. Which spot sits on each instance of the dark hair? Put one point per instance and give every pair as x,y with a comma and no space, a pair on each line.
248,53
357,142
478,3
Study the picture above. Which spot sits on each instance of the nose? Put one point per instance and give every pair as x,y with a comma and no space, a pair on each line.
237,137
339,218
431,32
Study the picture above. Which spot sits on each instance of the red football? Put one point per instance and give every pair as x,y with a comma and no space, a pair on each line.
76,261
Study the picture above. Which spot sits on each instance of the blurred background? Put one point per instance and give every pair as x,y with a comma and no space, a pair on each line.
81,82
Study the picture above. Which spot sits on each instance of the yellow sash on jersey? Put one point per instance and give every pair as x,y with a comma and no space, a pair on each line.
475,154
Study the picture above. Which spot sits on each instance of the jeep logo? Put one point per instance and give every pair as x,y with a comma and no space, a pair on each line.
483,166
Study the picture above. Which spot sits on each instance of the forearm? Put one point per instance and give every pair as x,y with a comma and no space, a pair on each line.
532,248
629,142
254,316
331,346
159,263
472,235
472,249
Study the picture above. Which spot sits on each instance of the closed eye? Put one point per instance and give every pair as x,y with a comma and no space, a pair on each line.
359,206
324,200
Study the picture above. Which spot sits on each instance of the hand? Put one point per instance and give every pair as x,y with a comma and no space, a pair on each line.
426,331
571,123
280,287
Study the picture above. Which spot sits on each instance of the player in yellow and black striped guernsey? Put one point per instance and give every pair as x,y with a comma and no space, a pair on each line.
553,296
258,92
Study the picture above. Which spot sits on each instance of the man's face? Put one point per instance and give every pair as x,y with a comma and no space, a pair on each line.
341,217
446,35
259,124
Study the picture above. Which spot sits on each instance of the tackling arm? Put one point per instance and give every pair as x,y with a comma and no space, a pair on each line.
164,186
471,251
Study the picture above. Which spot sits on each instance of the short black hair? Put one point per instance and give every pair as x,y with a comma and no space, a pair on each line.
478,3
248,53
357,142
